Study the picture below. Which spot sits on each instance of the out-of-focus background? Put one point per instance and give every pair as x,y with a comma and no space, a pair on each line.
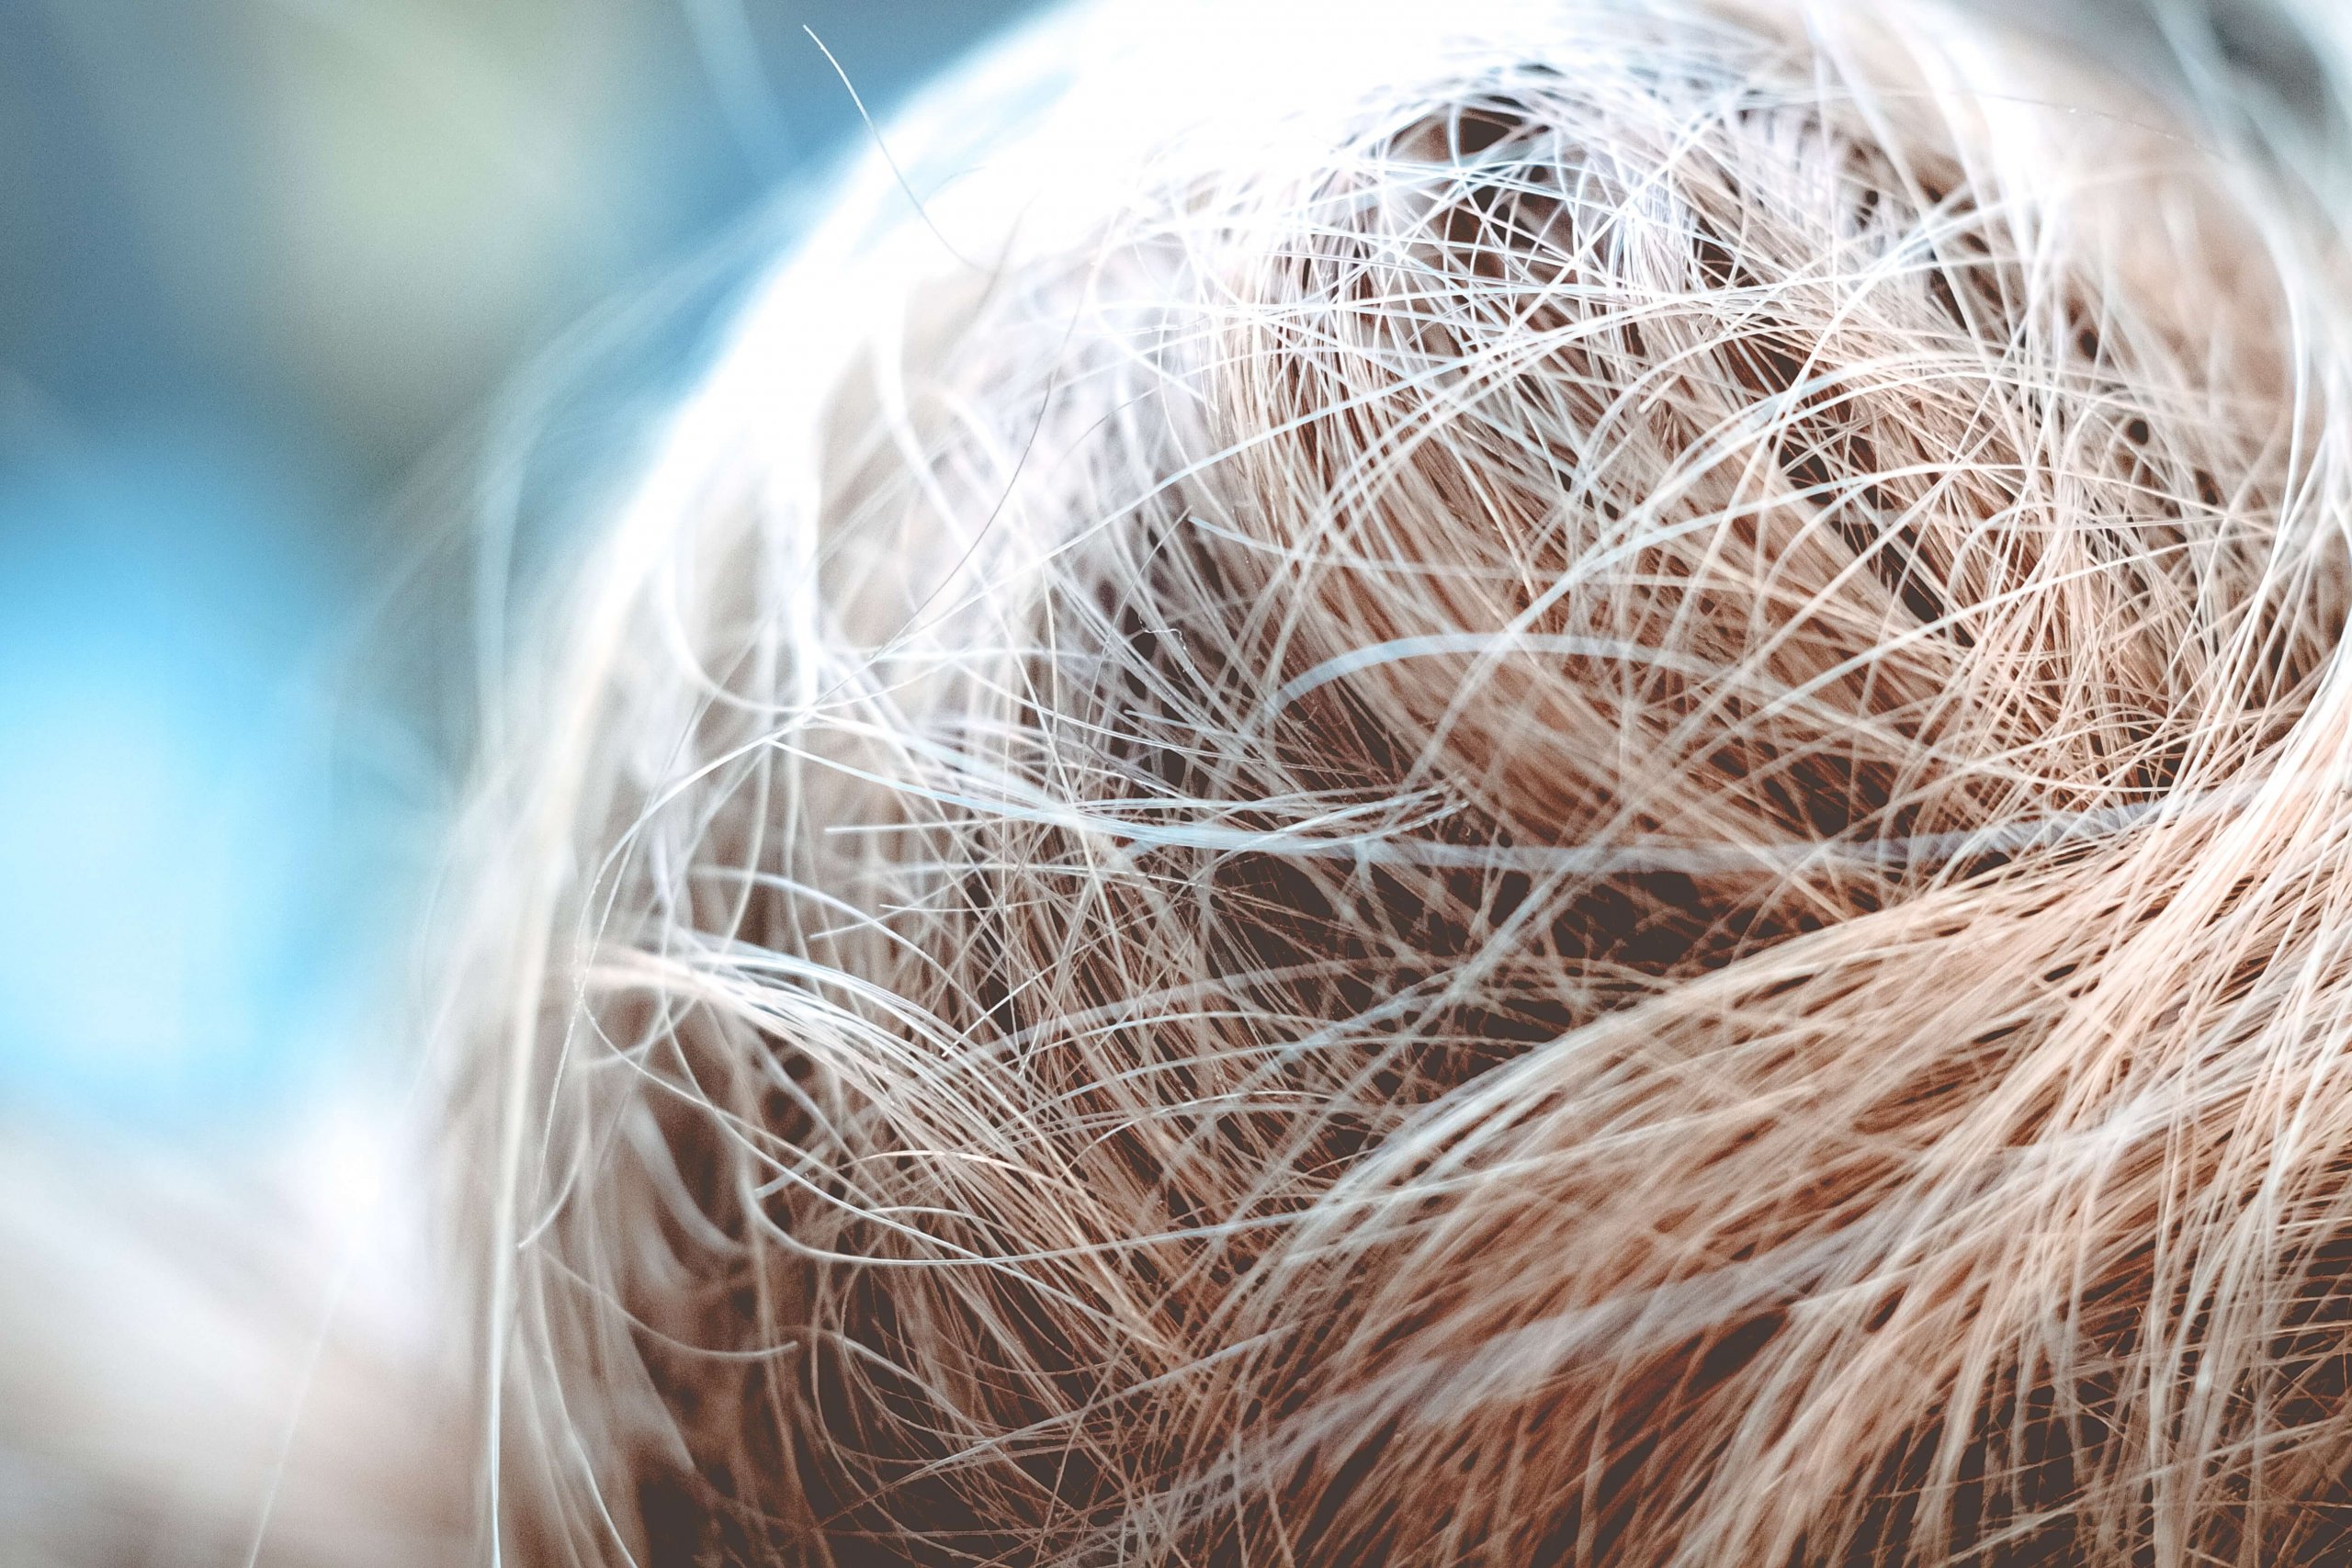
291,293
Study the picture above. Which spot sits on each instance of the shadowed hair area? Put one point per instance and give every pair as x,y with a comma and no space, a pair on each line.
1567,791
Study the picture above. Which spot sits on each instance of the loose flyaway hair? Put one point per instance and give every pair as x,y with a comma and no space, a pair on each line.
1521,782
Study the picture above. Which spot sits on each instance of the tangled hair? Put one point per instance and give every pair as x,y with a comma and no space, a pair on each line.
1571,790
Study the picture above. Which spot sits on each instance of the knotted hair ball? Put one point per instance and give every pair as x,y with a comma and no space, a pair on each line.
1562,783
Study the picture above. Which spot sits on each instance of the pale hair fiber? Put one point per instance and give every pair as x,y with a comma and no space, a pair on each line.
1518,782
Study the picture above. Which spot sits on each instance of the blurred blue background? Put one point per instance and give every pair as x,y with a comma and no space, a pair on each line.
266,267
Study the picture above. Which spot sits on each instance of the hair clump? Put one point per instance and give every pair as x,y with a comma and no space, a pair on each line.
1577,803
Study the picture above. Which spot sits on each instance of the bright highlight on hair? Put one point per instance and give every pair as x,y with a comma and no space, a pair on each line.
1524,783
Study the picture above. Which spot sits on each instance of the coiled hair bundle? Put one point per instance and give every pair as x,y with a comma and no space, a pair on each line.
1556,785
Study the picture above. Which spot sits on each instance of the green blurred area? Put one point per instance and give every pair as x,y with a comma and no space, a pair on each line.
340,222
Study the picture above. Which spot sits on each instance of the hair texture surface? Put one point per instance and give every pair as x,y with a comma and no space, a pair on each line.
1563,785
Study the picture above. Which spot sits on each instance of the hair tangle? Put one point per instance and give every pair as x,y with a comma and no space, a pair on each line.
1501,783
